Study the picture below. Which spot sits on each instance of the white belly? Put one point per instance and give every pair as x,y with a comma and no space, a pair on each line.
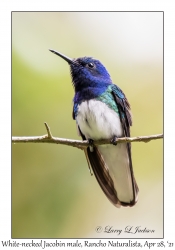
97,121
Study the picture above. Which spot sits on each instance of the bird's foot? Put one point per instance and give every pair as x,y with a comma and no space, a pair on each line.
114,140
91,143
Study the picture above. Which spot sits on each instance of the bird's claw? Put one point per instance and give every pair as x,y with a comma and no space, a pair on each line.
114,140
91,143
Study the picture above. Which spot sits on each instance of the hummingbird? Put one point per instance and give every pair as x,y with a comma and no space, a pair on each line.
102,111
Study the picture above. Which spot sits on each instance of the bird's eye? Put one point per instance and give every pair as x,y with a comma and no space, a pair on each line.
91,65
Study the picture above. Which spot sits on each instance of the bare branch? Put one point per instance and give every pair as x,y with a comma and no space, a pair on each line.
48,131
77,143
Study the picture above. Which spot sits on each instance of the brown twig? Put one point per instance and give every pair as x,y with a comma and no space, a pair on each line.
77,143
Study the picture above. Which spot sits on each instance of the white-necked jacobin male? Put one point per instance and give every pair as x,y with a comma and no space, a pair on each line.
102,111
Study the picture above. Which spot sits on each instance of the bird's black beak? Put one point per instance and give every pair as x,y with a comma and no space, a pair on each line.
67,59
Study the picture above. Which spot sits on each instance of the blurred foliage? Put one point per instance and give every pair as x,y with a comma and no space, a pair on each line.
53,194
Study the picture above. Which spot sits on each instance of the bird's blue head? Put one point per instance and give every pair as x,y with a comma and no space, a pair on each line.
87,72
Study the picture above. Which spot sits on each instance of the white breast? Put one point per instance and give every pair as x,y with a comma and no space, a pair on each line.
97,121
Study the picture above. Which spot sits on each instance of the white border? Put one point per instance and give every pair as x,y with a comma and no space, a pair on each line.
5,93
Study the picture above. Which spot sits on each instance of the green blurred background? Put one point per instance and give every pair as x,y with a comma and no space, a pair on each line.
53,193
